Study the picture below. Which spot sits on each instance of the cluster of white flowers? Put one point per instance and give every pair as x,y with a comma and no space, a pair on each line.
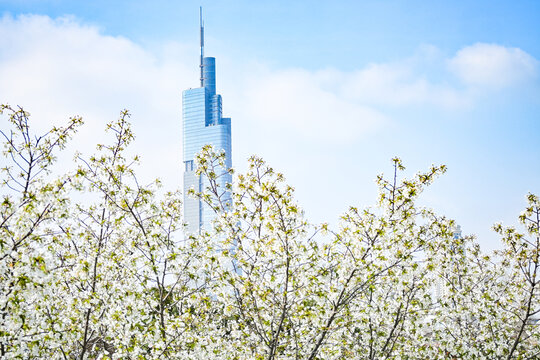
94,265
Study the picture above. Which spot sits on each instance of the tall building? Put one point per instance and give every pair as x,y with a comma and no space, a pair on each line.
203,124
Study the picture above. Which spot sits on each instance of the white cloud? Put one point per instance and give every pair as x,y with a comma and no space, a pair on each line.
60,68
399,84
493,65
296,100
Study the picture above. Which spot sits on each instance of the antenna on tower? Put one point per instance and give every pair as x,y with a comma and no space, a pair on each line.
202,45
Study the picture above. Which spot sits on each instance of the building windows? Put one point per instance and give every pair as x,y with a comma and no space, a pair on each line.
188,165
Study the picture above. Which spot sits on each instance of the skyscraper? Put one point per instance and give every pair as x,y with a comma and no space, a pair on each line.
203,124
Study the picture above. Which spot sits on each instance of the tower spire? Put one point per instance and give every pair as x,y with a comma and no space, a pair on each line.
202,45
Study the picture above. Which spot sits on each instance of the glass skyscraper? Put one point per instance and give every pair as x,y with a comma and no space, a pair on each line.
203,124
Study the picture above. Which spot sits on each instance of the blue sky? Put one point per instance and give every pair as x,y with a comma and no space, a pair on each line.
326,92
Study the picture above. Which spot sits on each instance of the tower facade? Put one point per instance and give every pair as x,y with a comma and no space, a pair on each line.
203,124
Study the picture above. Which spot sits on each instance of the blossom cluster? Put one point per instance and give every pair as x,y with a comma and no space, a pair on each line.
95,265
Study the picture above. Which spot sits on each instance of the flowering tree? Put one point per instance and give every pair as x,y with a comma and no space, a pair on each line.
268,288
95,265
31,203
126,279
489,304
522,258
287,294
388,256
102,277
